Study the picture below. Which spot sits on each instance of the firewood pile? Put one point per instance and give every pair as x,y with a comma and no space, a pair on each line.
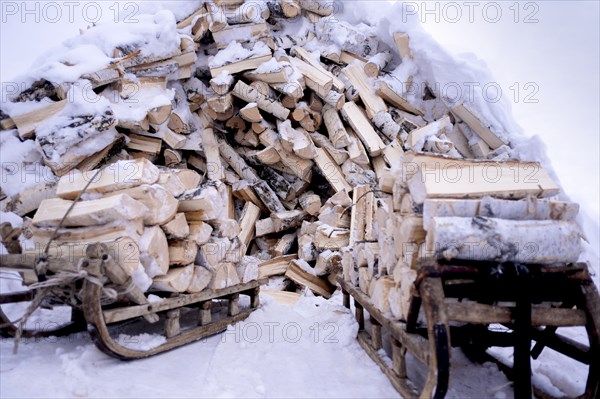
245,152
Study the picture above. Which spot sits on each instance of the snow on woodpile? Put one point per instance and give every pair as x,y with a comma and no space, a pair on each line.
299,136
292,141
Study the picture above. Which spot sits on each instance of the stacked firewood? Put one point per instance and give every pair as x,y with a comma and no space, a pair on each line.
251,153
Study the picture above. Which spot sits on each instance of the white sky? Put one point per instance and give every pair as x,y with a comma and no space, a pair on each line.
558,56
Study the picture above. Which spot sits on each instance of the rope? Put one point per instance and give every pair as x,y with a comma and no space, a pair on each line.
44,286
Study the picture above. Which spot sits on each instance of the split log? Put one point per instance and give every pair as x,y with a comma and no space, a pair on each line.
275,266
402,40
339,156
527,209
363,128
317,7
416,138
250,95
176,280
251,113
302,277
500,240
372,102
377,63
29,199
240,66
447,178
331,171
266,193
385,91
200,279
27,123
88,213
177,228
335,127
200,232
248,219
247,269
182,252
225,276
310,203
241,34
475,123
161,206
154,251
118,176
284,244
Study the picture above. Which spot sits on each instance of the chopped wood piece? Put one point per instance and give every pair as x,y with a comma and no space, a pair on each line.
200,232
161,205
224,276
377,63
266,193
401,40
372,102
182,252
328,238
388,94
296,140
154,251
286,220
331,171
478,126
317,80
247,269
248,219
251,113
240,66
284,244
476,179
527,209
339,156
310,203
275,266
491,239
298,166
240,33
393,153
87,213
200,279
144,144
26,123
416,138
176,280
177,228
363,128
337,132
264,227
301,276
250,95
317,7
214,168
120,175
29,199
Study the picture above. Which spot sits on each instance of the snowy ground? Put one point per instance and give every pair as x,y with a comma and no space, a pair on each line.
305,350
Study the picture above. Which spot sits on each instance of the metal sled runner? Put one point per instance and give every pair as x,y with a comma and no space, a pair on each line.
477,305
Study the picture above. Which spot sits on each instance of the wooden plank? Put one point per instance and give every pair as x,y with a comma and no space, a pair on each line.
120,314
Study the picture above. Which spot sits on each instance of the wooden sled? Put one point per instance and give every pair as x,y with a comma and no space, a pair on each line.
459,301
180,318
